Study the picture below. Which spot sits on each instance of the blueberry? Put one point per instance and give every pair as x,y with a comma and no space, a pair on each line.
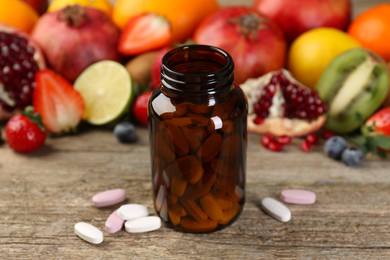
125,132
335,146
352,156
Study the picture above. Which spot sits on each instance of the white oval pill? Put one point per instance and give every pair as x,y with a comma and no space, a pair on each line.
143,224
109,197
297,196
88,232
131,211
114,223
276,209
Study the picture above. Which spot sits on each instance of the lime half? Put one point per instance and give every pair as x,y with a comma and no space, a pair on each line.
107,91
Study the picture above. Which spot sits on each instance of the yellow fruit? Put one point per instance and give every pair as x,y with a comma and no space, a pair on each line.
103,5
18,14
311,53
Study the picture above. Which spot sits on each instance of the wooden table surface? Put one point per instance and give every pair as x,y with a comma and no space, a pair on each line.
45,193
42,196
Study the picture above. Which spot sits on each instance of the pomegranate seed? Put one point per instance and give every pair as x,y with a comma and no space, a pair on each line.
312,138
275,146
271,143
306,146
299,102
266,139
284,140
326,134
258,120
18,66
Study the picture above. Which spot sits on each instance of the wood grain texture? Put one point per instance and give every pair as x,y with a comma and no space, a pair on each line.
44,194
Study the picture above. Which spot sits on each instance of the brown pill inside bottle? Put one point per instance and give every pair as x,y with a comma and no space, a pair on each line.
197,121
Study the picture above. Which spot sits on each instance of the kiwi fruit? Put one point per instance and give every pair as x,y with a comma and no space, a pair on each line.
354,85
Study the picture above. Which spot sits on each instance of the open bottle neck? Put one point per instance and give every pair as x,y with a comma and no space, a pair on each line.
197,70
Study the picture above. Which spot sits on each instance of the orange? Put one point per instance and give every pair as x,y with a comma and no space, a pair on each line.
102,5
372,29
184,16
18,14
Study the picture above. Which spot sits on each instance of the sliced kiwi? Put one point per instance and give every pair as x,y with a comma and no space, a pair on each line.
354,85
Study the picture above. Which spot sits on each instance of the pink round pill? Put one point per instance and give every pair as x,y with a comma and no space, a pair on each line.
297,196
109,197
114,223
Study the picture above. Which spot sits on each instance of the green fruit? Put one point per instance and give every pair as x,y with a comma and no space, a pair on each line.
107,91
354,85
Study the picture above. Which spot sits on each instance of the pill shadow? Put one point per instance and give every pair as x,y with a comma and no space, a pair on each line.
255,198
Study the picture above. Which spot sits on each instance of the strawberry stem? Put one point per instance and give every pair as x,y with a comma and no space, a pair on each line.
34,117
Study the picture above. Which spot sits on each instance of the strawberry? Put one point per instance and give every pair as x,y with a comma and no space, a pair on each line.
375,137
144,32
156,67
60,106
25,132
379,123
140,108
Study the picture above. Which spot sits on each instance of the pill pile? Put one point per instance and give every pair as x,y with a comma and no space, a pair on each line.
134,217
281,212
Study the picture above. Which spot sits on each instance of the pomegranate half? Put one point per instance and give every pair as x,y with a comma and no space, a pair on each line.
20,59
280,105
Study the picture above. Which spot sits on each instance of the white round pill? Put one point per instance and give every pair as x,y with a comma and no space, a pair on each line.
131,211
88,232
143,224
276,209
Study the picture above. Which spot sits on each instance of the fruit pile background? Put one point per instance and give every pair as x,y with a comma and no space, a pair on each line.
46,192
70,46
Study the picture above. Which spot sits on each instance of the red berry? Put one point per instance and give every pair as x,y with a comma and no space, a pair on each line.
306,146
258,120
275,146
23,134
312,138
140,108
271,143
284,140
326,134
266,139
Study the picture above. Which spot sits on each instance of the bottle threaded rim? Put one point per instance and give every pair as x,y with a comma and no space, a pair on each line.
197,69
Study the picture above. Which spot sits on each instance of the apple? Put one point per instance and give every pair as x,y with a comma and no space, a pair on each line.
295,17
39,5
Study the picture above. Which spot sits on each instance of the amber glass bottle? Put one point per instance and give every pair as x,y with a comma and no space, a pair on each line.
197,130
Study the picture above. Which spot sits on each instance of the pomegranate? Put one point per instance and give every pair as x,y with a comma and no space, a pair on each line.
295,17
75,37
256,43
280,105
20,59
